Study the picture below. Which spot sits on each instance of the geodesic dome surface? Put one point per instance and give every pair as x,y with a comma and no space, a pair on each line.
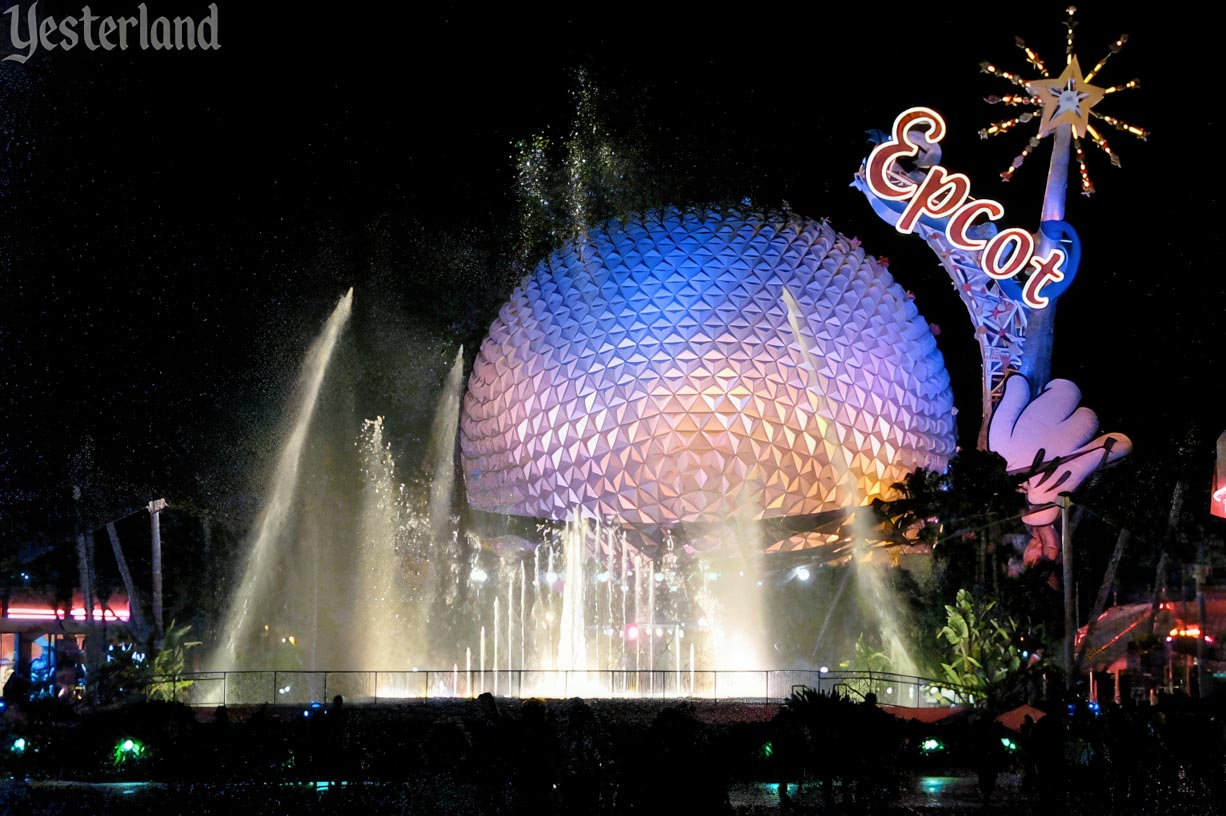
696,366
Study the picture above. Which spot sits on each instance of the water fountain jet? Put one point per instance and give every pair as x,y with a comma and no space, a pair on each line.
268,539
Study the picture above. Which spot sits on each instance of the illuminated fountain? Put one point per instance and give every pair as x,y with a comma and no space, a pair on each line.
652,395
269,542
678,378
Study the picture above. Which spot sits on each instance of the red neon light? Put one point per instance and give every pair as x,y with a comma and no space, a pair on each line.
33,613
940,195
1045,271
115,612
1002,268
883,156
955,230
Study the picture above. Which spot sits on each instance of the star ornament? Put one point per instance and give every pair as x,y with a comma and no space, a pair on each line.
1067,99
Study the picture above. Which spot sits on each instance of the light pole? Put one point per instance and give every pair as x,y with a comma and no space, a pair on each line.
155,509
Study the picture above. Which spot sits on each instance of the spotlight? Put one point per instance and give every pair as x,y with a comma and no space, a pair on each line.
802,573
823,670
478,575
632,632
551,577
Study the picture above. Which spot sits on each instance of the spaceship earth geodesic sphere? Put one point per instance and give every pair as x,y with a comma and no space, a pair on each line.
701,365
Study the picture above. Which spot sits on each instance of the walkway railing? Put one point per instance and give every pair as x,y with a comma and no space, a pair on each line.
302,687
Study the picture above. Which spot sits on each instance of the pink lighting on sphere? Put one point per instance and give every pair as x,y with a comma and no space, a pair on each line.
649,371
1217,503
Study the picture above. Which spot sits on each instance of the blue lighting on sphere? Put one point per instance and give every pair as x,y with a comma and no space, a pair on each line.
692,365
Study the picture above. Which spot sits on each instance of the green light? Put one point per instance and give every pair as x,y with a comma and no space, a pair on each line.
1009,744
19,746
931,745
767,750
127,749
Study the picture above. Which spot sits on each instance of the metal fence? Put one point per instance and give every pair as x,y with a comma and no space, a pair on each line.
301,687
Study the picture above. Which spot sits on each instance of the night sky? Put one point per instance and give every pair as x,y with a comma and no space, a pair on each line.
175,226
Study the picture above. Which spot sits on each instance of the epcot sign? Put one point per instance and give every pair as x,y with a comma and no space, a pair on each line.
945,196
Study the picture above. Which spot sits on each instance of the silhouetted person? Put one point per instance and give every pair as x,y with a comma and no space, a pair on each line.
536,760
1027,756
584,757
18,688
1049,740
493,754
990,754
337,726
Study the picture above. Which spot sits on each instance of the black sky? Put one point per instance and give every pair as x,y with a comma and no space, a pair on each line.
174,227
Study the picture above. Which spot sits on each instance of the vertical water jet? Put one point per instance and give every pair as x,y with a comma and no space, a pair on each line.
267,551
572,640
441,450
380,604
869,581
